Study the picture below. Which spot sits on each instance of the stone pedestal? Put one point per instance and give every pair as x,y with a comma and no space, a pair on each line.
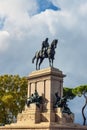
47,82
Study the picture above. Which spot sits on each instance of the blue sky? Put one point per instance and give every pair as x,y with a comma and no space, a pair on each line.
24,24
2,20
46,4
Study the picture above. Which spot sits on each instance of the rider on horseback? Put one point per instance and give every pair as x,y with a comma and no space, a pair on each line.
47,51
44,47
45,44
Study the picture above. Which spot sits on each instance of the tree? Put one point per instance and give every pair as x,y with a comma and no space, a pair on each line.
77,91
67,92
13,94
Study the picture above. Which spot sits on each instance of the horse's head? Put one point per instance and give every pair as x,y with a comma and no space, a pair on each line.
54,43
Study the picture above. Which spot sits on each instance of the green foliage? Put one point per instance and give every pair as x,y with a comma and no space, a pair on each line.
13,92
7,99
78,91
72,92
68,92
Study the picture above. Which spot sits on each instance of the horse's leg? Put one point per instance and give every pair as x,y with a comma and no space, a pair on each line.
37,63
41,60
49,62
52,62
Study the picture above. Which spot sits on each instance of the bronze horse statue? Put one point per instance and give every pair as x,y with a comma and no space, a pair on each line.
47,53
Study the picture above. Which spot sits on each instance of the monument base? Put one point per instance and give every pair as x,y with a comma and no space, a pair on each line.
32,119
43,126
47,82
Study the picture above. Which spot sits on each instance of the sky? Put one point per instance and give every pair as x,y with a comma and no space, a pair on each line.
24,24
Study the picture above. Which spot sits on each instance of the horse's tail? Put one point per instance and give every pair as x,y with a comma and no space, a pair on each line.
33,59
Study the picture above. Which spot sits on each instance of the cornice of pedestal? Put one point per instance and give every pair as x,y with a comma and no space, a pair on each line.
50,71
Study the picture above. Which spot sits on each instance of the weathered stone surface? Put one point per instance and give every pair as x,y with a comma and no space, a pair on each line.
30,114
63,118
47,82
44,126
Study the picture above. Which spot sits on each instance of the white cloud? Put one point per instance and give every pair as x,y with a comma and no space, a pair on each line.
83,9
16,7
66,25
4,35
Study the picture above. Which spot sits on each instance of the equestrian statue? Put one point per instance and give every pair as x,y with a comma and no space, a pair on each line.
47,51
62,103
34,98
